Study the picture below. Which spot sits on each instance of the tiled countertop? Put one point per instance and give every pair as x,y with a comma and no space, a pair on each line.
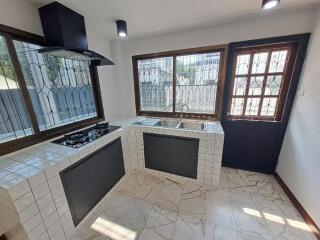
26,163
29,178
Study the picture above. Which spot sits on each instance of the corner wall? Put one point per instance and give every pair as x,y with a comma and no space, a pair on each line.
299,160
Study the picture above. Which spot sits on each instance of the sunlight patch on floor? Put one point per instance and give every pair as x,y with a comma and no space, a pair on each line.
298,224
252,212
113,230
277,219
274,218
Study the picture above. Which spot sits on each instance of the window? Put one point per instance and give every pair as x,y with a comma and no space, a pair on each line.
14,118
156,84
60,89
42,96
260,82
166,82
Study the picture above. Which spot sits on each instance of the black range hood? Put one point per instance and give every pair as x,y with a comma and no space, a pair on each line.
65,35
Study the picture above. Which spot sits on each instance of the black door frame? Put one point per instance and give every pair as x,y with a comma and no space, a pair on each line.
302,41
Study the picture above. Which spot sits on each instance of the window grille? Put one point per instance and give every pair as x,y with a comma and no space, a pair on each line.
260,82
14,119
60,89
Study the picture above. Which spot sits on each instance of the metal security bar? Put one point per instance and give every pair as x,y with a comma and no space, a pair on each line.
156,84
14,119
197,80
60,89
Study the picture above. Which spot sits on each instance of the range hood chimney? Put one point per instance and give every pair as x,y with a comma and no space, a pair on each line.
65,35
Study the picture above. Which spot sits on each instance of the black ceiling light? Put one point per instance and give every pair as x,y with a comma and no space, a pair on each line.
268,4
122,28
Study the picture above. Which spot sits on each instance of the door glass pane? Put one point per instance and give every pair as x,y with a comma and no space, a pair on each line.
237,106
240,84
255,86
60,89
259,62
156,84
197,79
273,85
14,119
268,106
243,62
252,107
278,61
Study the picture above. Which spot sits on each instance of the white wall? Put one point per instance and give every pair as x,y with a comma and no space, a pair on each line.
110,87
249,28
20,14
23,15
299,161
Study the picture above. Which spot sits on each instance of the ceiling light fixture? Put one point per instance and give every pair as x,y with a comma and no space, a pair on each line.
268,4
122,28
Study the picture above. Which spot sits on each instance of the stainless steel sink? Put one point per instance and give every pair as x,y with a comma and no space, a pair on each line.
168,123
172,123
198,126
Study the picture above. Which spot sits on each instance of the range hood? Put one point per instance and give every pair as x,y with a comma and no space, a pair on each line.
65,35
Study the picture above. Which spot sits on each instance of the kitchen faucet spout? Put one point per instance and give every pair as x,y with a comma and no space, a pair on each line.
181,111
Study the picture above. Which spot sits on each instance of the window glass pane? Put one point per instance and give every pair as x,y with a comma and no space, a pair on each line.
14,119
273,85
197,78
60,89
268,106
252,107
240,84
156,84
278,61
259,62
255,86
243,62
237,106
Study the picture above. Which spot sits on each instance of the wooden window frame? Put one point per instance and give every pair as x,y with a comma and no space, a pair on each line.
175,114
38,136
283,92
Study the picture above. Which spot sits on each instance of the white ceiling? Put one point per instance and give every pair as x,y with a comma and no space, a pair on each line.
151,17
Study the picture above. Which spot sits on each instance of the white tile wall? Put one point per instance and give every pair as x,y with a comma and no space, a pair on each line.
31,190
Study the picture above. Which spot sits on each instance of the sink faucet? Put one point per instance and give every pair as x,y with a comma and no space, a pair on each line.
181,111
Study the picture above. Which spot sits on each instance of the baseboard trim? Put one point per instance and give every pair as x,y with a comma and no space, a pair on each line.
313,226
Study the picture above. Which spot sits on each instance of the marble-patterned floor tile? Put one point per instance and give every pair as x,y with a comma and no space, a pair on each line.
142,186
135,215
218,208
193,200
189,228
128,185
218,232
159,217
116,205
251,182
163,232
170,195
247,216
149,188
249,235
245,206
283,219
250,222
160,224
110,229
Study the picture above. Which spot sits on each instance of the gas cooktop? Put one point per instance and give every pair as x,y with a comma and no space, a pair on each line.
81,138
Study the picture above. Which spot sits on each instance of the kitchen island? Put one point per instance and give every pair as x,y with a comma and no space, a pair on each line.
33,200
